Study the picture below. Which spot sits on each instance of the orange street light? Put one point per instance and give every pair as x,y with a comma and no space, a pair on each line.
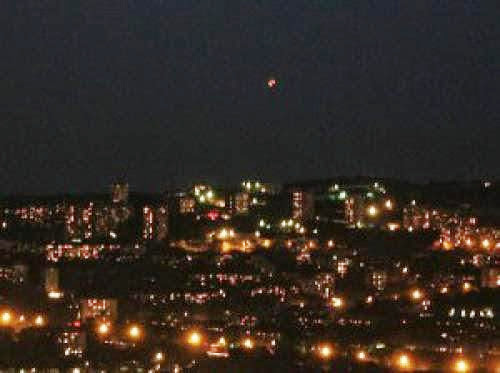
39,320
194,338
404,362
134,332
6,317
103,328
325,351
248,343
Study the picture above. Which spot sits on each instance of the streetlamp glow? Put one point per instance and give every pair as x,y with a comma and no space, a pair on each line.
461,366
404,362
372,211
248,343
416,294
6,317
325,351
103,329
361,356
39,320
194,338
134,332
159,356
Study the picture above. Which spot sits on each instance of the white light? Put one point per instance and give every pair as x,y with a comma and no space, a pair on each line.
55,294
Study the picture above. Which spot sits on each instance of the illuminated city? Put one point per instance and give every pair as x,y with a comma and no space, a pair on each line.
332,274
250,186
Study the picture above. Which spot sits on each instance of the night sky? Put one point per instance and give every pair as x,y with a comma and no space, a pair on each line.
163,92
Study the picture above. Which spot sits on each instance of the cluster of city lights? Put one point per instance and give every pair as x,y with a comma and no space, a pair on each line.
254,187
11,319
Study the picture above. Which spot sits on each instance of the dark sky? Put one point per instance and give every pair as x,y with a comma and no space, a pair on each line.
163,92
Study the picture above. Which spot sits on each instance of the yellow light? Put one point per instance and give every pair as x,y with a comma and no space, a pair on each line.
416,294
194,339
55,294
393,226
248,343
39,320
6,317
337,302
325,351
222,341
485,243
444,290
404,361
448,245
361,356
159,356
223,234
461,365
103,329
372,211
466,286
226,246
134,332
388,204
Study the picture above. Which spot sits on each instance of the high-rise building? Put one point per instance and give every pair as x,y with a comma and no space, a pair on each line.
379,280
241,202
148,222
52,280
187,204
119,192
155,223
354,209
161,223
302,204
72,342
490,277
94,308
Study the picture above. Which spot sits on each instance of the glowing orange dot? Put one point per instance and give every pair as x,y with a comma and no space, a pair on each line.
271,83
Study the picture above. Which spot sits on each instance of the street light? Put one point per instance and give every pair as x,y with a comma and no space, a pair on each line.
404,362
159,356
103,328
248,343
372,211
134,332
461,365
361,356
39,320
6,317
337,302
194,338
325,351
416,294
